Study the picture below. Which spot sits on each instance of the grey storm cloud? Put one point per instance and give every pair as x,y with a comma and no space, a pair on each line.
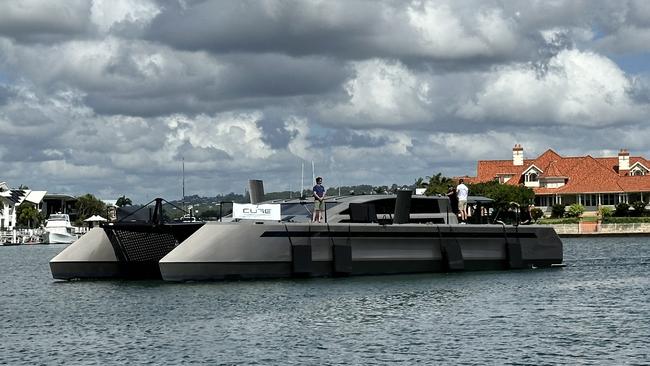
45,22
108,96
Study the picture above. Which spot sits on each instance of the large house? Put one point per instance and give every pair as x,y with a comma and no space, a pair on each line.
10,199
556,179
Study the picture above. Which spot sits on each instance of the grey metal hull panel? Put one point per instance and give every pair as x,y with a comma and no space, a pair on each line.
230,250
91,256
70,270
255,270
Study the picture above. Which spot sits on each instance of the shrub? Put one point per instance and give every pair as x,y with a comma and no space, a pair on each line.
605,211
557,211
569,220
639,208
536,213
575,210
625,220
622,209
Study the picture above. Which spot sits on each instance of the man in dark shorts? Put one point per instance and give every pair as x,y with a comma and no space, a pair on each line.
319,199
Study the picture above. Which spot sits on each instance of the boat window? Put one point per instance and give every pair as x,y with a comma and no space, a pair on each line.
387,206
425,206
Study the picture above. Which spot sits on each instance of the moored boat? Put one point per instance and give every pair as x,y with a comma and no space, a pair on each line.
59,230
362,235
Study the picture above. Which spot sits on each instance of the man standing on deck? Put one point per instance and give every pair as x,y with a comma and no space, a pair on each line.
319,199
462,191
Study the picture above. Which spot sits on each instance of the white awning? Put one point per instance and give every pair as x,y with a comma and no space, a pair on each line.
95,218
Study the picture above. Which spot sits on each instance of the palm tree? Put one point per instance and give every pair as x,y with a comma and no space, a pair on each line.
438,184
123,201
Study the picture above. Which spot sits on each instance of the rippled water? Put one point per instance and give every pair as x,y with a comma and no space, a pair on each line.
594,311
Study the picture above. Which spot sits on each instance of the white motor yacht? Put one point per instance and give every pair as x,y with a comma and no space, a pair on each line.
59,230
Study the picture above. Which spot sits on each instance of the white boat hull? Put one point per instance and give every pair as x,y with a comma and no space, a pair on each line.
58,238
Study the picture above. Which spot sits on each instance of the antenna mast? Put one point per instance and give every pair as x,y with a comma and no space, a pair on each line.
302,180
183,172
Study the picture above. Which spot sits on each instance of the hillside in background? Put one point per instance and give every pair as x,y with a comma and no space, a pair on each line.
208,207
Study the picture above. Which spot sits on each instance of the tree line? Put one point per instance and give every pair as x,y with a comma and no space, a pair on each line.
437,184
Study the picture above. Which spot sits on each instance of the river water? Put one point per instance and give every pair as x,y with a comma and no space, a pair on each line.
594,311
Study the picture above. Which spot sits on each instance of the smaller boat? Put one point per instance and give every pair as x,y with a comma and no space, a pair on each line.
59,230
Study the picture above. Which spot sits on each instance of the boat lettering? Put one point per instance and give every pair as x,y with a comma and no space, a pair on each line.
265,211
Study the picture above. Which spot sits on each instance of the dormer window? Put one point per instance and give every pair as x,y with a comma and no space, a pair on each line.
531,176
638,169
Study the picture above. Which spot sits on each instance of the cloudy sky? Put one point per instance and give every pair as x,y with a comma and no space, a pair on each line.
108,96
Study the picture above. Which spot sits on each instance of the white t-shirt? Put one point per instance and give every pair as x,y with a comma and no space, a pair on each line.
462,191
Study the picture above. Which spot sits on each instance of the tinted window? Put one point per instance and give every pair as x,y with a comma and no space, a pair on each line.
387,206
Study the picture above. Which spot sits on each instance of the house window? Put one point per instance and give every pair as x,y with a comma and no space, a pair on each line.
608,199
638,172
589,200
531,177
543,201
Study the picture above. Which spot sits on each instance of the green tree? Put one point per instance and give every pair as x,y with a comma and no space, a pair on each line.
438,184
87,205
503,194
419,182
28,216
123,201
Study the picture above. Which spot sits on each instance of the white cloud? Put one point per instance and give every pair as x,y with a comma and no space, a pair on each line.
237,134
299,144
444,34
579,88
106,13
383,93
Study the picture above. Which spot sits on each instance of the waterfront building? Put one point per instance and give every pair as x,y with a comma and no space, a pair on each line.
555,179
54,203
10,199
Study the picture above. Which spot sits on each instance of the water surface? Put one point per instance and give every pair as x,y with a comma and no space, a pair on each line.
594,311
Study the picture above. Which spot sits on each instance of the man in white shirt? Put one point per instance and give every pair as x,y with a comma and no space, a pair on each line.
462,191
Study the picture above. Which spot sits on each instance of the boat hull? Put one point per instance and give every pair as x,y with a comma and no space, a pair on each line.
125,250
221,251
58,238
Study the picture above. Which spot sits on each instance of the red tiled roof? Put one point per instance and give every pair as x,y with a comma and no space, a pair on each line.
552,171
583,174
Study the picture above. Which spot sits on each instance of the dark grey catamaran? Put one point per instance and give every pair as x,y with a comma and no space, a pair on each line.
363,235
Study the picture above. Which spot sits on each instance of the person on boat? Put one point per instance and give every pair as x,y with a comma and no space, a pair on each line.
453,199
526,218
319,199
462,191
